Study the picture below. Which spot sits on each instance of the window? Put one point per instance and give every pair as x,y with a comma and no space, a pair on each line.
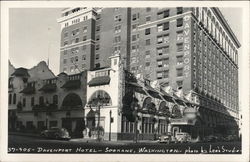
135,48
85,29
65,52
133,37
72,59
65,34
97,65
133,60
83,66
179,10
159,75
147,54
163,39
83,57
97,38
179,47
76,58
72,69
147,64
32,103
135,16
165,74
179,72
117,49
84,47
179,83
41,100
55,99
118,18
147,42
65,43
65,69
97,47
117,39
163,14
163,27
75,32
97,56
147,31
75,50
118,29
148,9
10,98
148,19
64,61
179,22
134,26
179,36
84,38
179,60
24,102
98,28
163,50
159,63
14,98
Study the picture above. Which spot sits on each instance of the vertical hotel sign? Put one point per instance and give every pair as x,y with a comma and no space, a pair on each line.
186,44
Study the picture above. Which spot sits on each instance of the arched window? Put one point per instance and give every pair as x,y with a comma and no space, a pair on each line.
72,100
14,98
148,106
55,99
163,109
176,112
102,97
10,98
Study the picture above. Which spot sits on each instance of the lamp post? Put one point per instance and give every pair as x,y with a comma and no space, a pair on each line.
99,114
136,122
110,121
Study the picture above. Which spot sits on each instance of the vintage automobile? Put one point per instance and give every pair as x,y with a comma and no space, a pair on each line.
164,138
183,137
210,138
56,133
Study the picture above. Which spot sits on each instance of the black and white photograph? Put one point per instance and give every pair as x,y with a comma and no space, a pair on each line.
96,79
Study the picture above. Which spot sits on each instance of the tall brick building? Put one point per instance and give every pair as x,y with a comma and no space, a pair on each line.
192,48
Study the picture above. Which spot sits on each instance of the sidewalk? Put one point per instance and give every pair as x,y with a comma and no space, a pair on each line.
86,140
24,134
119,142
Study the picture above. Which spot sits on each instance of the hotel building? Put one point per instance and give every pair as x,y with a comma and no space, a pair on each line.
185,61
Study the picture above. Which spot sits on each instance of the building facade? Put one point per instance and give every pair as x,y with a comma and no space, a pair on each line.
193,49
40,100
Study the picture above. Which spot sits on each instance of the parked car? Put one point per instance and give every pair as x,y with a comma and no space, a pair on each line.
164,138
183,137
230,138
210,138
56,133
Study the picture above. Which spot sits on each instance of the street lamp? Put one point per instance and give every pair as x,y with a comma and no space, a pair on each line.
136,120
99,104
110,121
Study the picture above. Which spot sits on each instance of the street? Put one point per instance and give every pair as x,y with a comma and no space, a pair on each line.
27,144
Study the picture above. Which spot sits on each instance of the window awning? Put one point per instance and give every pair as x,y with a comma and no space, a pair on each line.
28,90
136,87
72,84
152,91
102,80
48,88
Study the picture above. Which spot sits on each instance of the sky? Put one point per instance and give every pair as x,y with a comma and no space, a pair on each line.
34,35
